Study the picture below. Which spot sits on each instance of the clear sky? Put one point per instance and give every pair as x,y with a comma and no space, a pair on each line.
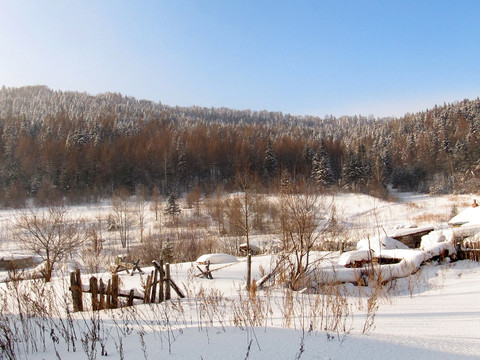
301,57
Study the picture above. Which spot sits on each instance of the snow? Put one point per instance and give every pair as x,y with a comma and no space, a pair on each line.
438,319
468,217
379,244
409,230
435,237
431,312
216,259
350,257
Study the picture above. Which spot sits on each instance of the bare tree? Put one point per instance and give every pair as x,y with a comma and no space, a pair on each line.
301,230
122,208
51,234
92,253
141,205
156,202
247,182
193,199
216,208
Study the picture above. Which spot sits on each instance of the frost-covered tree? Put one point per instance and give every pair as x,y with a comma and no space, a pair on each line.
322,171
51,234
172,209
123,214
269,162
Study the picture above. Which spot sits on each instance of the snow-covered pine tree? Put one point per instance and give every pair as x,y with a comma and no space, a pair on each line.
269,162
322,171
172,209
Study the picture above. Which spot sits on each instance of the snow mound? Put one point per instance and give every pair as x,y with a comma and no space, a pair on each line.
380,243
351,257
216,259
433,238
254,248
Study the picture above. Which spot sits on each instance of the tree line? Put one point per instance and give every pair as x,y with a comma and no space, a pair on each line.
55,143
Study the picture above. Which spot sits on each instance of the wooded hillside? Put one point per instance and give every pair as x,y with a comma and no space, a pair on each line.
56,143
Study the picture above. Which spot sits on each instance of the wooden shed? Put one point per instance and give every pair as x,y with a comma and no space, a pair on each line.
411,237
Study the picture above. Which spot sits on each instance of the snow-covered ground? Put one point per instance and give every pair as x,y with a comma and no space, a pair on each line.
435,314
431,314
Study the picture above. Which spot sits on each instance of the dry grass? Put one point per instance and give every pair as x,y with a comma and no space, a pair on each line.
430,218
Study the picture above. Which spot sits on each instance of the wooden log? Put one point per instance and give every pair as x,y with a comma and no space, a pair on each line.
207,274
202,273
127,295
167,282
94,292
176,288
136,267
218,268
208,271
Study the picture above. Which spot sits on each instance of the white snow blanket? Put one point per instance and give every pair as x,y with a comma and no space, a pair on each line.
216,259
351,257
436,237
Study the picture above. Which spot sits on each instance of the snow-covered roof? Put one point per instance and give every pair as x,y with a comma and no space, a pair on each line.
216,259
380,243
410,231
470,216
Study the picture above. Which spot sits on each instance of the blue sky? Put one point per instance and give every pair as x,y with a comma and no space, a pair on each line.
334,57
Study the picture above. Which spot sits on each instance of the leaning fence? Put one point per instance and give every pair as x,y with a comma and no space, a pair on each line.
157,288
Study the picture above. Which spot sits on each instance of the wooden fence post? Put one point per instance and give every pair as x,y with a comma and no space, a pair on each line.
115,284
101,291
154,286
161,290
130,297
109,294
167,281
76,289
148,288
94,292
159,266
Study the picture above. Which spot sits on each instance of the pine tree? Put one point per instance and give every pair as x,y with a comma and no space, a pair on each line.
352,171
269,162
182,166
322,171
307,158
172,209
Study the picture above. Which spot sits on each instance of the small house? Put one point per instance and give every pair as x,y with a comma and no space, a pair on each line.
411,237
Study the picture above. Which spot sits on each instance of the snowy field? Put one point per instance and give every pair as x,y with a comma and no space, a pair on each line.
431,314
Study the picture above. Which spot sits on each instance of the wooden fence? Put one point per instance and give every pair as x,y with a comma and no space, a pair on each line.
469,254
157,289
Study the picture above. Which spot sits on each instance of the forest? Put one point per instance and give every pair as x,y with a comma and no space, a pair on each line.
63,144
